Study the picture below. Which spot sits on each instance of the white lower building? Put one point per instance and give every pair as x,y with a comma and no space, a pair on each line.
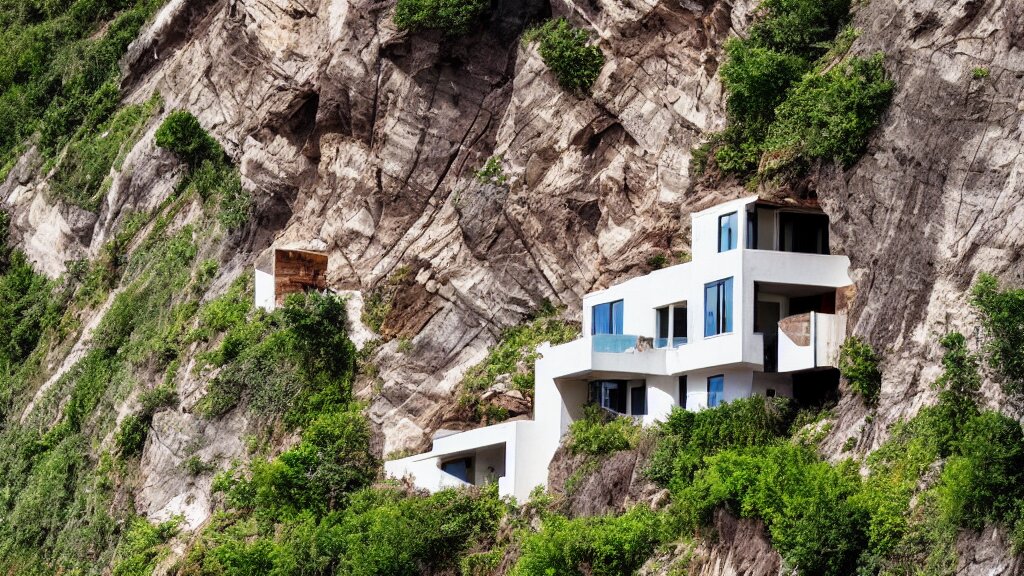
760,310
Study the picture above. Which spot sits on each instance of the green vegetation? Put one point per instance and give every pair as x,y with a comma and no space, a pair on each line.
687,438
601,546
377,303
58,69
859,365
824,518
210,173
492,172
295,362
599,432
454,17
790,102
1002,315
514,356
567,52
81,177
980,73
143,546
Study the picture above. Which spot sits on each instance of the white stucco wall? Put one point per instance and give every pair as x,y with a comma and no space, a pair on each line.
264,290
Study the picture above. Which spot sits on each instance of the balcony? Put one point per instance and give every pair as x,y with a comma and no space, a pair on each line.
810,340
622,343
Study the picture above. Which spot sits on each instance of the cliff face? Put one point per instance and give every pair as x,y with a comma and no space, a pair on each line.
361,140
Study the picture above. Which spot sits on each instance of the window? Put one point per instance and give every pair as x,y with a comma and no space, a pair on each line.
728,232
682,391
662,323
676,336
459,468
716,390
607,318
718,307
752,227
610,394
638,400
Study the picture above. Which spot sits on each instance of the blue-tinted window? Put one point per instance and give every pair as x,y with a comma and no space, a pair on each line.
607,318
716,390
718,307
458,468
728,232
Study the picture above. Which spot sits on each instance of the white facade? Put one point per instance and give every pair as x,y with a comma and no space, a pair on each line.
754,303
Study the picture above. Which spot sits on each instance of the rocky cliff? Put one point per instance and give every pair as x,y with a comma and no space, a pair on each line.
362,140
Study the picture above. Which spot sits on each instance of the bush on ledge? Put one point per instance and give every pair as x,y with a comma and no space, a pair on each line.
566,51
455,17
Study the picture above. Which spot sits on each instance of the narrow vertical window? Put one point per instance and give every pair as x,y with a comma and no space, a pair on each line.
716,390
728,232
682,391
638,400
718,307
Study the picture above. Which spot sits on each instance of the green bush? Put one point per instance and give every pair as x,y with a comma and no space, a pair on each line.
514,355
599,432
81,175
984,479
959,390
686,438
788,102
332,460
492,172
828,116
182,134
599,546
809,506
381,531
143,546
799,27
1002,315
454,17
859,365
131,437
567,52
59,72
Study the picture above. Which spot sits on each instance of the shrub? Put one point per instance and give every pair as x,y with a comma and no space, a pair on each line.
1002,315
599,433
980,73
566,51
454,17
809,506
828,116
959,387
131,437
81,175
182,134
332,460
143,546
984,479
601,546
687,438
492,173
800,27
859,365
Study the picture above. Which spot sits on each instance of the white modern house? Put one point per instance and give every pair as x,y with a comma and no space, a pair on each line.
760,310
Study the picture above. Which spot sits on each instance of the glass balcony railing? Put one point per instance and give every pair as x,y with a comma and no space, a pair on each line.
615,343
669,342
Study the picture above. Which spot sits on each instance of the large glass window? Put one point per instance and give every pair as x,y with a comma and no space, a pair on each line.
716,390
728,232
607,318
718,307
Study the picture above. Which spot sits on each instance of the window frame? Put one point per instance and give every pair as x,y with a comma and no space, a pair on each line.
723,307
611,317
719,395
734,230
